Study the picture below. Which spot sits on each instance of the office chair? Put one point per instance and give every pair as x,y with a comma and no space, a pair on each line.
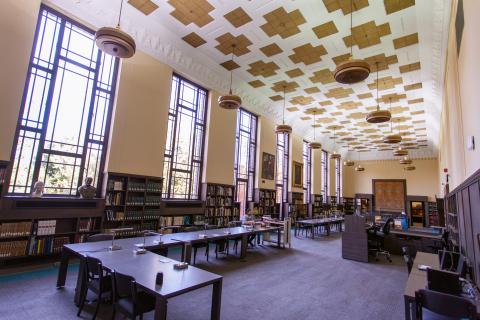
95,280
442,244
407,256
100,237
236,239
437,305
377,236
127,299
198,245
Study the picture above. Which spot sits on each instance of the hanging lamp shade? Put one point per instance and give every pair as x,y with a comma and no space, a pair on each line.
359,168
405,160
409,168
400,152
392,138
230,101
315,145
114,41
335,155
283,128
348,163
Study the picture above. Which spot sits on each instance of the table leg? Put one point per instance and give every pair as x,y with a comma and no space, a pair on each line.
243,249
187,252
407,308
296,229
160,308
62,270
216,300
313,231
328,229
279,238
80,287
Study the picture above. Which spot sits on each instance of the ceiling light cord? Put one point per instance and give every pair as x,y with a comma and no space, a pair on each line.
378,103
283,110
314,113
120,14
231,71
391,120
351,29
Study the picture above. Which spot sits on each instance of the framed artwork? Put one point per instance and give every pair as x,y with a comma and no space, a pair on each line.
390,194
297,174
268,166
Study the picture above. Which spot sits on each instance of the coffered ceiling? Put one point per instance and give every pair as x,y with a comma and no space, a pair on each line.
297,44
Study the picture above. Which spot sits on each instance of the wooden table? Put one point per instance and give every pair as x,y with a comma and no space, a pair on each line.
416,234
326,222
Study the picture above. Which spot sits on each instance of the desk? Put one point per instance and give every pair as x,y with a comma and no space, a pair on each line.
326,222
417,234
418,280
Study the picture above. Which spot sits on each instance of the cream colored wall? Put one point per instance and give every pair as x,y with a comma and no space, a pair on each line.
140,121
267,143
18,19
219,158
461,109
421,182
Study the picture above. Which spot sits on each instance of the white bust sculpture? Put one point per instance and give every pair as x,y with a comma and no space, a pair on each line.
38,189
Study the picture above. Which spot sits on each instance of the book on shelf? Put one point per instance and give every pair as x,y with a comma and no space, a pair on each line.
44,246
13,248
87,224
45,227
114,199
154,186
115,185
153,200
15,229
135,201
136,186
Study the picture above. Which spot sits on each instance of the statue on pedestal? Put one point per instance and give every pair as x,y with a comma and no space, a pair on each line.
38,189
87,191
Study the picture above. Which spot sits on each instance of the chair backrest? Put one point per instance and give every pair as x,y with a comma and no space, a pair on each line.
124,286
94,268
407,256
191,229
444,304
443,281
100,237
449,260
386,226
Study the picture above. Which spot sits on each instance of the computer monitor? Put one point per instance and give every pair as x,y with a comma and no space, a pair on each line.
444,281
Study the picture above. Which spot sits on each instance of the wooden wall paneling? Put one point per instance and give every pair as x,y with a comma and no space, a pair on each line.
474,191
467,223
461,223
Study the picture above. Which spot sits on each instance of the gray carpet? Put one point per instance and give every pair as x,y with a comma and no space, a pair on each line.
309,281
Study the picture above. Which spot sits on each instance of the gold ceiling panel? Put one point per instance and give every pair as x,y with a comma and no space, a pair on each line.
414,113
382,61
365,95
194,40
256,83
325,120
392,6
413,86
363,124
367,34
271,50
337,113
341,58
339,93
260,68
399,109
305,118
292,109
192,11
371,130
413,101
301,100
325,30
385,83
410,67
276,98
418,121
348,139
311,90
230,65
283,23
227,40
308,54
402,127
279,86
238,17
392,97
334,127
314,111
349,105
345,5
356,115
144,6
323,76
405,41
295,73
342,133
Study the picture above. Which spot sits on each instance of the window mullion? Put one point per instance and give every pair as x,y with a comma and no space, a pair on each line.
174,127
48,104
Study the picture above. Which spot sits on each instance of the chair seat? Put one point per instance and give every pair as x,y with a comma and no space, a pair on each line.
146,303
94,284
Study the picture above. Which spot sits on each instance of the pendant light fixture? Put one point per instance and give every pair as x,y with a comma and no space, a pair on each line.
392,137
314,145
352,70
405,160
409,168
378,116
335,155
114,41
359,167
284,128
400,152
348,163
230,101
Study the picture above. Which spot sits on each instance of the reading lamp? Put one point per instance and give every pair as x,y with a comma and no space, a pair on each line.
115,247
141,247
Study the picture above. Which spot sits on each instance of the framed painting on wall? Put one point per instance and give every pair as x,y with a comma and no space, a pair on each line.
390,194
297,174
268,166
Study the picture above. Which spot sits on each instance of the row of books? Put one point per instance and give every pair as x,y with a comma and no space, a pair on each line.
45,227
13,248
220,221
153,200
213,201
219,190
116,185
218,212
153,186
135,201
267,202
49,245
115,199
111,215
264,210
267,194
15,229
88,224
136,186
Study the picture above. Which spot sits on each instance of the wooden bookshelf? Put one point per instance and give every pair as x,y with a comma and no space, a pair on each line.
364,203
297,209
220,205
132,201
3,176
451,219
348,205
265,203
317,204
436,215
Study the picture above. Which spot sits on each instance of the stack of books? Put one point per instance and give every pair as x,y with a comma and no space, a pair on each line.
15,229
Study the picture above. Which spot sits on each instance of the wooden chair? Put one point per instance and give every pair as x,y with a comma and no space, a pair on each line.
407,256
198,245
127,299
441,306
100,237
96,280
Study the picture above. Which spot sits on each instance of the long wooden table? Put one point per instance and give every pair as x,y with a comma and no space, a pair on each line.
325,222
417,280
